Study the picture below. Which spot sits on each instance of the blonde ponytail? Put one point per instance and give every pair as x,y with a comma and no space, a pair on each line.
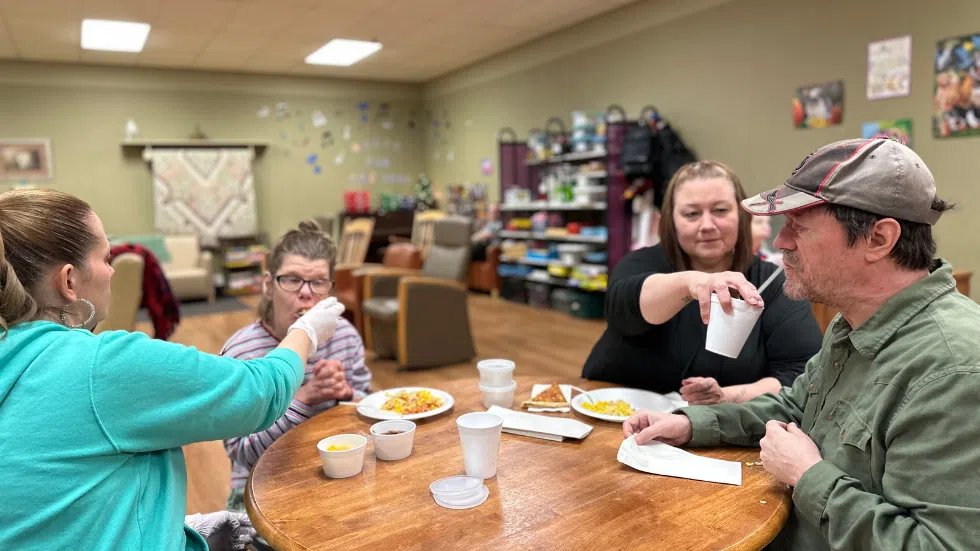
16,304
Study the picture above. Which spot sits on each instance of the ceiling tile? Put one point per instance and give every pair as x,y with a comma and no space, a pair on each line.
110,58
266,15
63,10
176,41
170,59
142,11
43,31
198,15
236,43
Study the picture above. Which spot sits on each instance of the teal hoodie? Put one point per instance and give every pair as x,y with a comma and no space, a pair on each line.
91,428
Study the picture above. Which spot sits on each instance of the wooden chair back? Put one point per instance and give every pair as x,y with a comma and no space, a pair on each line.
354,241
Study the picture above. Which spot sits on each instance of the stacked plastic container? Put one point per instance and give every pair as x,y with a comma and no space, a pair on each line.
497,382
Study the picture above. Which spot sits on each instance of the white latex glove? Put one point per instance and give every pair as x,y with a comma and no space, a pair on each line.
224,530
319,322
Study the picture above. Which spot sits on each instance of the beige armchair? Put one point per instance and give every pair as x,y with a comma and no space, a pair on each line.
190,271
127,293
422,318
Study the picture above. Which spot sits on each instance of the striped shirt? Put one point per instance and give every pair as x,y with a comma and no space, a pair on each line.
254,341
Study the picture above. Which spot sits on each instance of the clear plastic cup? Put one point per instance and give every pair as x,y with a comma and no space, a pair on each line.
479,435
727,333
496,373
498,396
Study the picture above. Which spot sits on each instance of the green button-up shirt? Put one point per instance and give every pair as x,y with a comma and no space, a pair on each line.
893,407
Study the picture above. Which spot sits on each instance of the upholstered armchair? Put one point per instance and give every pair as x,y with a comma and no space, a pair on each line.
348,286
483,274
127,293
422,318
190,271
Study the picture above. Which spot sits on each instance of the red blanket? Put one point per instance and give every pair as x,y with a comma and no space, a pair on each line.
159,301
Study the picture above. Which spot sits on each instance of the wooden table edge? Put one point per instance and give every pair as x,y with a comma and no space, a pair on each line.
767,532
275,537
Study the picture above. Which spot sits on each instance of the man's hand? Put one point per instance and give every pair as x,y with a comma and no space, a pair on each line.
328,383
787,452
668,428
701,391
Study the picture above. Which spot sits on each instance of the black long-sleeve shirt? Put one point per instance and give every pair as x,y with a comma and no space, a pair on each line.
637,354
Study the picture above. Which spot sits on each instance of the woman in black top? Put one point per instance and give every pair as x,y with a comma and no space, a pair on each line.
658,302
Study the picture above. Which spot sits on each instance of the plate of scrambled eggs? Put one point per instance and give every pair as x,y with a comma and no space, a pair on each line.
617,404
405,403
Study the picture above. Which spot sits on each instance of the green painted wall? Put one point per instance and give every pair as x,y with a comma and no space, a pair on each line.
724,77
83,110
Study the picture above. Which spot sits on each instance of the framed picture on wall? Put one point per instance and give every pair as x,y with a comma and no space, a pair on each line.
27,159
956,91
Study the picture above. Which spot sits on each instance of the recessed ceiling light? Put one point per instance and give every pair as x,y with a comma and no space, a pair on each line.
114,36
342,52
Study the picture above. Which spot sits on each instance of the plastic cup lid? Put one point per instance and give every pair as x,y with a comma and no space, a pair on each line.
455,485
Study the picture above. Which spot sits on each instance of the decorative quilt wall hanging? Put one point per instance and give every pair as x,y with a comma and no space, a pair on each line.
207,192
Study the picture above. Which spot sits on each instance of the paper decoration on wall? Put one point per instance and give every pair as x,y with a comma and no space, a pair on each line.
319,119
326,139
372,178
263,112
819,105
300,126
317,169
386,125
283,136
956,99
899,130
378,162
435,124
312,159
363,107
435,155
393,178
451,156
355,147
282,111
396,146
468,123
486,167
339,159
346,132
889,67
358,178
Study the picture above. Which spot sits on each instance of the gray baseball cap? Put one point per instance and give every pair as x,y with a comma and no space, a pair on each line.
878,175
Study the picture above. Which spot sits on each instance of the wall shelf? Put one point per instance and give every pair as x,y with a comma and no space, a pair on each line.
258,145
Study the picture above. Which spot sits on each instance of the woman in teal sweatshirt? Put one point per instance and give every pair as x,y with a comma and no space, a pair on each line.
91,425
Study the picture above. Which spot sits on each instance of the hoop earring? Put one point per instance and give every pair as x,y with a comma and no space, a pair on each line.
88,320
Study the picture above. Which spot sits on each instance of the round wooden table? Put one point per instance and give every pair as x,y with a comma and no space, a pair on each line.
546,495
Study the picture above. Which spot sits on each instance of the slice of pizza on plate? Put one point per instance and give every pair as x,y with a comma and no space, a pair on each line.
550,397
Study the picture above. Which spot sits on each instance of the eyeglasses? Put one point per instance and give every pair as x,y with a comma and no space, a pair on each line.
292,284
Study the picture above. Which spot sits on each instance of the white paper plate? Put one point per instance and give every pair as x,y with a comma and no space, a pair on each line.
371,405
639,399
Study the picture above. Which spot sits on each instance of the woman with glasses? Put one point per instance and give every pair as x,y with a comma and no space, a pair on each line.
299,276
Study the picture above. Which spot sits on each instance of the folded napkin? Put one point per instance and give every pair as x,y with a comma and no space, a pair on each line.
676,400
666,460
540,426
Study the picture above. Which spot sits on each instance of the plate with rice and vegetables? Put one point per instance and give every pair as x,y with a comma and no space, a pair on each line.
405,403
617,404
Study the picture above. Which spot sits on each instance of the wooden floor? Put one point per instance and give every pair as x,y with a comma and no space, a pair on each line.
541,342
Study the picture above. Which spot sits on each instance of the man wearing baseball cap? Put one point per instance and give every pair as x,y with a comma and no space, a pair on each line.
879,436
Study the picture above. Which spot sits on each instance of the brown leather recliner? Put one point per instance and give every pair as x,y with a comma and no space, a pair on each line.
422,319
349,280
483,274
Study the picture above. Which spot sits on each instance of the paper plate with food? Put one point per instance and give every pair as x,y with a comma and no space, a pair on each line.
617,404
405,403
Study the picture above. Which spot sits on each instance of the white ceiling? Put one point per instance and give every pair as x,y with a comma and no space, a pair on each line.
423,39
